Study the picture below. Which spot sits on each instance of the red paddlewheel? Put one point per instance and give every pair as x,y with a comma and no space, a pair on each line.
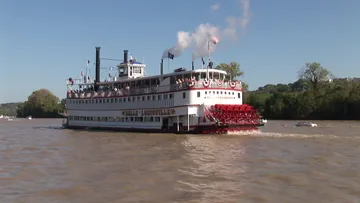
234,114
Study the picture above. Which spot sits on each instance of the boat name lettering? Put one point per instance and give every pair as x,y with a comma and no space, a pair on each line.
157,112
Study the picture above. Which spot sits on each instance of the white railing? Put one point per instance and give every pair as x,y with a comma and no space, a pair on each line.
149,90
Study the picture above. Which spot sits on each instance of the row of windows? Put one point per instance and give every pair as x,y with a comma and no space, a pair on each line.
217,92
143,98
115,119
124,99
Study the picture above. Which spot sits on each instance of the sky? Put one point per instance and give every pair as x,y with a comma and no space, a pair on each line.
42,43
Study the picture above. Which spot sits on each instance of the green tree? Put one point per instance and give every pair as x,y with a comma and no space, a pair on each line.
232,69
40,104
314,73
9,109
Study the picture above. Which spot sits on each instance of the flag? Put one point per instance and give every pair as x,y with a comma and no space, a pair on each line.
210,65
214,40
170,55
203,61
88,61
82,73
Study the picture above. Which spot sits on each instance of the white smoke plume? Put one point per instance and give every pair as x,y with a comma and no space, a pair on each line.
198,40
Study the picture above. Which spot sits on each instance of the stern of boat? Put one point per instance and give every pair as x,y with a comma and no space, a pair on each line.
231,119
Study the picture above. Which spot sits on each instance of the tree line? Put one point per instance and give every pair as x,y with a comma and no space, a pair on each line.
9,109
317,94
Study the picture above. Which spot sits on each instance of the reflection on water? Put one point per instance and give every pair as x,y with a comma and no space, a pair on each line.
218,173
40,162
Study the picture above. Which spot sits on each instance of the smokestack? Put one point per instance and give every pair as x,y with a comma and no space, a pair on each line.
192,65
97,68
125,56
162,67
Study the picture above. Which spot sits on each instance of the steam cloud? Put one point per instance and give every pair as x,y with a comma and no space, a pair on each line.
198,40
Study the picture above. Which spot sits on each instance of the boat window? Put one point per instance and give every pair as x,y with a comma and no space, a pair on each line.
184,95
239,95
198,94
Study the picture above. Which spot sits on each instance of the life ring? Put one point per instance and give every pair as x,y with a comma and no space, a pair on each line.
232,85
206,83
220,84
191,84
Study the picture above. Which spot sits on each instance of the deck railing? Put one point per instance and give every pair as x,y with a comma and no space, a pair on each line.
139,91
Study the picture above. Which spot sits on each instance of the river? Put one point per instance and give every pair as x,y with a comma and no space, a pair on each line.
40,162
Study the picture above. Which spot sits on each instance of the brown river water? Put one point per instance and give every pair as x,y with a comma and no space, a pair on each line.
40,162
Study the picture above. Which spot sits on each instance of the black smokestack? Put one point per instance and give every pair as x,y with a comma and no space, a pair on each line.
162,66
125,56
192,65
97,68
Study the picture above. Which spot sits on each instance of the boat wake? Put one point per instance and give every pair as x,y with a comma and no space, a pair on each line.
282,135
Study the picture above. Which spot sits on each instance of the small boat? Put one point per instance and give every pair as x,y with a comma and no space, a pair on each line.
306,124
263,120
29,117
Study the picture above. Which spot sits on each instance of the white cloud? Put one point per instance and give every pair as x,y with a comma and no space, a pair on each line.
215,7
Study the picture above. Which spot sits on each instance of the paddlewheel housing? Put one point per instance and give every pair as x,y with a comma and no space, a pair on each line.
231,118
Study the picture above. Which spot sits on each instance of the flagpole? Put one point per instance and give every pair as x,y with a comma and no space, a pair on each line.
86,72
207,67
168,64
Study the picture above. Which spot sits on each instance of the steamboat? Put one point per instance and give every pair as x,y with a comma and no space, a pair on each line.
196,101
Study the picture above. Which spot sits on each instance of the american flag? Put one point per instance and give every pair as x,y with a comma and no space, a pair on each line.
215,40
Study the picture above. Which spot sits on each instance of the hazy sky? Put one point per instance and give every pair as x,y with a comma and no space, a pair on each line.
42,42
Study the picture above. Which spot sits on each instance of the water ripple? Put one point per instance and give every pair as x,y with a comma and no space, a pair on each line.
40,162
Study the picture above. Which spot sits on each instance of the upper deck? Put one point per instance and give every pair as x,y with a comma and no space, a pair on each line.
131,80
177,81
